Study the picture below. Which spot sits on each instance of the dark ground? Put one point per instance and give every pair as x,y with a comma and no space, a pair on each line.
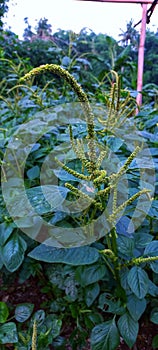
30,292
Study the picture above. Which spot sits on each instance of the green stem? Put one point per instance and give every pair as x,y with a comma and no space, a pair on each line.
115,251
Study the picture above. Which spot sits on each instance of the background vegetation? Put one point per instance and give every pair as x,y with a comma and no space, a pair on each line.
49,301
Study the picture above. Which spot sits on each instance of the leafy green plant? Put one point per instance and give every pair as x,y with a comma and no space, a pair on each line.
81,284
120,259
40,332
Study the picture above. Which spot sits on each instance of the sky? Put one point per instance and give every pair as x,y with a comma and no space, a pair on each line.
107,18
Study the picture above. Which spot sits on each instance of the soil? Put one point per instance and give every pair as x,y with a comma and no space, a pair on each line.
30,291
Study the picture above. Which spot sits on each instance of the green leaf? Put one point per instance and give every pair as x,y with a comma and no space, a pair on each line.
4,312
153,289
13,252
66,61
34,172
30,224
138,281
155,342
54,324
39,316
124,281
105,336
8,333
84,61
86,275
125,245
57,217
23,311
128,329
5,232
71,256
91,293
154,315
152,250
95,318
65,176
135,306
47,197
42,198
114,143
142,240
59,343
114,307
123,225
1,262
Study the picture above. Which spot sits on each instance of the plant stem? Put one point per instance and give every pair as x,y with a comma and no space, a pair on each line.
115,251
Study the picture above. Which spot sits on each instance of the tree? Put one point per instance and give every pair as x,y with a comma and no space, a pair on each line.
130,36
28,34
3,10
43,29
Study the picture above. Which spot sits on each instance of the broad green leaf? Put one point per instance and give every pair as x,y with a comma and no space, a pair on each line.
13,252
39,316
57,217
54,324
153,289
5,232
155,342
43,199
59,343
8,333
46,198
4,312
114,143
123,226
23,311
30,224
66,61
142,239
34,172
56,327
152,250
151,122
128,329
136,306
154,315
71,256
86,275
35,147
70,288
95,318
105,336
114,307
148,135
91,293
125,245
138,281
124,281
65,176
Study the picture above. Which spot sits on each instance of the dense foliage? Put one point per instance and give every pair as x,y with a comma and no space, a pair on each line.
3,10
98,282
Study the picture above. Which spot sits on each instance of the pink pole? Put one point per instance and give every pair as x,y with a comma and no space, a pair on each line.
141,55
